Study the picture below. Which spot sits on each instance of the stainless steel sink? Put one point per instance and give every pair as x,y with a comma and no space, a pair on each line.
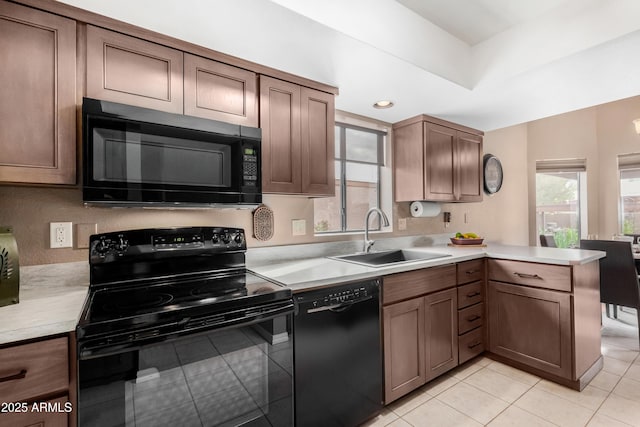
386,258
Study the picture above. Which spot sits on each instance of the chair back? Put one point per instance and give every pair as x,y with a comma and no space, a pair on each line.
618,275
547,241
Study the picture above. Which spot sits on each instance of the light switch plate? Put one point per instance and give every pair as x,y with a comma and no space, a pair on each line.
83,232
298,227
61,235
402,224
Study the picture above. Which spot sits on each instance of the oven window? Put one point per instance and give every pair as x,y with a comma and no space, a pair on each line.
228,377
145,158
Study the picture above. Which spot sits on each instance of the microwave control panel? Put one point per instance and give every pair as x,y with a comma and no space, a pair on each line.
250,169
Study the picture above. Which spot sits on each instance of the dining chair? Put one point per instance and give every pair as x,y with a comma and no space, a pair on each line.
619,283
547,240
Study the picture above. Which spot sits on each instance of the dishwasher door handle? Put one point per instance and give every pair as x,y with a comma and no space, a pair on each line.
337,307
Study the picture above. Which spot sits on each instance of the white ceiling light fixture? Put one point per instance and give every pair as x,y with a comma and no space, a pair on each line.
383,104
636,123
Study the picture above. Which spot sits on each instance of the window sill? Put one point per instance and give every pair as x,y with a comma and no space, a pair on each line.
352,233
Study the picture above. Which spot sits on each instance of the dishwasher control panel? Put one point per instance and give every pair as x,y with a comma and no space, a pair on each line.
342,294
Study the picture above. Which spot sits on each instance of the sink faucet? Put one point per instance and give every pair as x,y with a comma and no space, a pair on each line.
368,243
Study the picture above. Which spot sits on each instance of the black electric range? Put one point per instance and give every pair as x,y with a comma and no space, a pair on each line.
156,291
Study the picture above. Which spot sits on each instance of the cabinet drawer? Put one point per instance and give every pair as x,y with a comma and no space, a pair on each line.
31,370
470,271
470,318
470,294
556,277
401,286
470,345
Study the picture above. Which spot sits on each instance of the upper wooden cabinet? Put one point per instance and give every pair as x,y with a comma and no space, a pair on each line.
218,91
38,102
297,139
436,160
133,71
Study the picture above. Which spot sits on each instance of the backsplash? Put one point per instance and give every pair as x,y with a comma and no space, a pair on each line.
29,210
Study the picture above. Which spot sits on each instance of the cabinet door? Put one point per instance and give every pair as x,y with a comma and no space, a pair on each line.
132,71
441,332
531,326
408,162
404,347
318,142
440,164
469,168
218,91
38,102
281,144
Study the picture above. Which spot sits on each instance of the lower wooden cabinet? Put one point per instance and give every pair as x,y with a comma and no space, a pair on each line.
36,384
441,332
546,319
531,326
421,331
404,347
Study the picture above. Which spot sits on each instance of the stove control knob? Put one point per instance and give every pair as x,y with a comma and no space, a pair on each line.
122,245
102,247
226,238
238,238
215,239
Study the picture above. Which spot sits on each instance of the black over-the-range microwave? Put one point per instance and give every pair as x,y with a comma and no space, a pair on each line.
135,156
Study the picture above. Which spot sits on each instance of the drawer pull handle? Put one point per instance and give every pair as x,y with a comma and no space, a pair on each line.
473,294
474,344
20,375
527,276
472,271
473,318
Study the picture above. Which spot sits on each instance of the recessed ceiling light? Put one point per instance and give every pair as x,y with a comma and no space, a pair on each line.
383,104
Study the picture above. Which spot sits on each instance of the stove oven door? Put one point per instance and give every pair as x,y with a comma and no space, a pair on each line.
236,376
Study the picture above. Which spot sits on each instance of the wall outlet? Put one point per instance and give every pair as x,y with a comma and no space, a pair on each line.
61,235
298,227
402,224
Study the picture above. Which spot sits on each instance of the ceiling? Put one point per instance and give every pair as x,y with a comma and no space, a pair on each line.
486,64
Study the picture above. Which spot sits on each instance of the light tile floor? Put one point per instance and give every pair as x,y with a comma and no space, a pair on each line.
485,392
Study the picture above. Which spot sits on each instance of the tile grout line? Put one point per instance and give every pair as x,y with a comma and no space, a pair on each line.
610,393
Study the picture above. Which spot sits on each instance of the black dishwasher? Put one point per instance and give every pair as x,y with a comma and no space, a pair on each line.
338,355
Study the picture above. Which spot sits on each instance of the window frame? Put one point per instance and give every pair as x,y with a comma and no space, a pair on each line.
341,157
568,166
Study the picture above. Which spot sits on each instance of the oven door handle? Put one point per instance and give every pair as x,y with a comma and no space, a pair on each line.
248,318
89,349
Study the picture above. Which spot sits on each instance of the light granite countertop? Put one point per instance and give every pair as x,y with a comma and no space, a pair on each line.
52,296
51,299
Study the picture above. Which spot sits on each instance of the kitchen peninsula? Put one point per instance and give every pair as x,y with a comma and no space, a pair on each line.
532,296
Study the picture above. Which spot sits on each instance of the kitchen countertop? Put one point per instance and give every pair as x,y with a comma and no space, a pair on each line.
52,295
302,275
51,299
